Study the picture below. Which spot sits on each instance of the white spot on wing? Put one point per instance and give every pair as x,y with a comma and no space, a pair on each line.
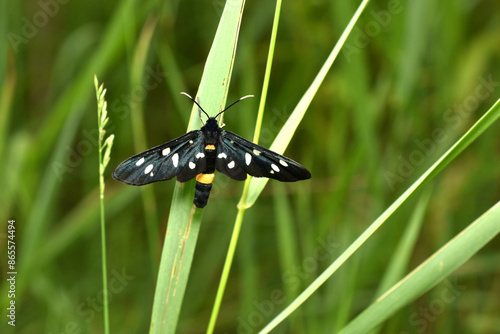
148,169
151,174
175,159
190,141
272,172
256,152
200,155
192,165
275,168
283,163
231,164
166,151
222,156
140,161
248,158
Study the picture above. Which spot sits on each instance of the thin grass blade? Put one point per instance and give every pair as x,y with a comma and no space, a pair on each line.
474,132
434,270
397,265
285,135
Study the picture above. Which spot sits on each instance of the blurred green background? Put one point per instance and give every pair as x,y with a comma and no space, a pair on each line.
411,79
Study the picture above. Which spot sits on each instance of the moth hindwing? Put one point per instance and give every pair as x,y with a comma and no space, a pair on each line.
197,154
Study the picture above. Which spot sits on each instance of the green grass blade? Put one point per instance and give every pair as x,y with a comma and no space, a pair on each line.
267,74
475,131
287,241
7,89
286,133
139,133
225,272
435,269
62,124
112,43
402,253
184,219
182,232
398,263
242,208
4,49
9,175
15,157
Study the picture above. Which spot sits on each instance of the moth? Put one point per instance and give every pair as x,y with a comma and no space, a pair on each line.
197,154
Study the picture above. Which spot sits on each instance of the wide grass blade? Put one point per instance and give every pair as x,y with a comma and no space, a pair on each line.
435,269
474,132
184,219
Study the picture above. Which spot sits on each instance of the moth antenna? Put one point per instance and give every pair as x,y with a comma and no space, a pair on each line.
232,104
200,108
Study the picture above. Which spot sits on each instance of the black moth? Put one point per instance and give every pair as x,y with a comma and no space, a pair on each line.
199,153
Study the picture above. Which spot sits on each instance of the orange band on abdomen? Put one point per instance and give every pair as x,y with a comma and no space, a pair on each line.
205,178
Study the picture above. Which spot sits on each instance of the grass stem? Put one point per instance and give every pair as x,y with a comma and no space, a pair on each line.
241,205
104,153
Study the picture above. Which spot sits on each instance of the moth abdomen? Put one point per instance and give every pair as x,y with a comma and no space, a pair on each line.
202,189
